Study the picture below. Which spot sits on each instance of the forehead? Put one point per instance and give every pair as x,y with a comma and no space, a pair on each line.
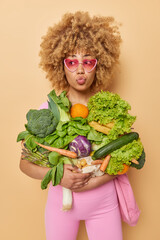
79,50
80,53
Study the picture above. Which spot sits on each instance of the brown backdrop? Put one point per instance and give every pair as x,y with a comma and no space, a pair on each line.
23,86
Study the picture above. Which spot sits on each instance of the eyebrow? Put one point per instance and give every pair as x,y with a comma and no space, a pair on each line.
86,55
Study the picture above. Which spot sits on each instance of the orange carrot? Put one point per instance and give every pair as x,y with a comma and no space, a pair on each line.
135,161
95,162
105,163
59,150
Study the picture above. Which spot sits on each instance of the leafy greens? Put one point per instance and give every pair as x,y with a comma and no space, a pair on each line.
106,107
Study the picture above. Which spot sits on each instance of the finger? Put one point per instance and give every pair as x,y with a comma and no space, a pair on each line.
72,168
76,187
78,183
82,176
77,180
76,170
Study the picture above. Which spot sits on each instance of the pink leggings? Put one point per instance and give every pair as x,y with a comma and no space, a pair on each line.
98,207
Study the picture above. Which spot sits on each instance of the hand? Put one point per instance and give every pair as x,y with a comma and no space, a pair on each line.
73,179
95,182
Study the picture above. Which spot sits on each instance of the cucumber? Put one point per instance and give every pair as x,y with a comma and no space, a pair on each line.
115,144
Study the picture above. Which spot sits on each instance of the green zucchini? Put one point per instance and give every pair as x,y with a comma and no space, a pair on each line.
115,144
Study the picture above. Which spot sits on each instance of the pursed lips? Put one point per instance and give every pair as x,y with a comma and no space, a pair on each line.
81,80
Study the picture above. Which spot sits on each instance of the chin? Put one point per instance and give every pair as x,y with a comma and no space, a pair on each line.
82,88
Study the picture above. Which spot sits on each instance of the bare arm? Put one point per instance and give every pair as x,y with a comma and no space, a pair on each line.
32,170
72,180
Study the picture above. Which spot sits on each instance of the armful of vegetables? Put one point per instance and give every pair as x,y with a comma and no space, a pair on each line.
52,138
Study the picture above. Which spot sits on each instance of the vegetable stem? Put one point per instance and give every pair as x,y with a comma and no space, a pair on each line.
36,158
67,199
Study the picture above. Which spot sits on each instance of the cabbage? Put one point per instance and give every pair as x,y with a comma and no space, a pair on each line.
80,145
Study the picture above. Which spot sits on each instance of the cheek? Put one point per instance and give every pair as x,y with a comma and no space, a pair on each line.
92,76
70,78
67,74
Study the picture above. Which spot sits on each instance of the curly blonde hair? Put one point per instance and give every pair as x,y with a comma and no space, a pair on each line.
98,35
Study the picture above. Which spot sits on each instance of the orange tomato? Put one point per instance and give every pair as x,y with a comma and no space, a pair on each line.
125,169
79,110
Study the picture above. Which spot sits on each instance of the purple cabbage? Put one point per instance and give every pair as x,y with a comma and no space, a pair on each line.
80,145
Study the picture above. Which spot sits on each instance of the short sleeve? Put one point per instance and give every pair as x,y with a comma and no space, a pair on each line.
44,105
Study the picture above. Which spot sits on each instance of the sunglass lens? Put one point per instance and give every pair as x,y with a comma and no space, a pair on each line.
71,64
89,65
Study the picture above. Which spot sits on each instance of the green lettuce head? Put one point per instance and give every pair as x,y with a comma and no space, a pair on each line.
106,107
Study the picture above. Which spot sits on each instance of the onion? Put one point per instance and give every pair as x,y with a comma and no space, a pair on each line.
80,145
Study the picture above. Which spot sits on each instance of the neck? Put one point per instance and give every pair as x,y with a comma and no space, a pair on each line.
79,97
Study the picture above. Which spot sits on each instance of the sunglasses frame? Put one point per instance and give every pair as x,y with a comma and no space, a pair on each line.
80,63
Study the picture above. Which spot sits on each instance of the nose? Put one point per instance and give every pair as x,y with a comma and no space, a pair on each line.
80,68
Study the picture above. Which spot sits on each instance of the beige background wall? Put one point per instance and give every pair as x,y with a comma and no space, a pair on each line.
23,86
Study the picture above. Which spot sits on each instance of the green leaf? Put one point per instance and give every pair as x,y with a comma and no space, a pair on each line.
67,139
94,135
59,173
58,143
53,175
62,126
51,138
46,180
65,103
74,130
78,126
71,131
53,158
65,160
79,120
64,116
22,135
62,101
62,133
30,142
81,132
83,127
54,108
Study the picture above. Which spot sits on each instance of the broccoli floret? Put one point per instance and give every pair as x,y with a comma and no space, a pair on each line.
41,122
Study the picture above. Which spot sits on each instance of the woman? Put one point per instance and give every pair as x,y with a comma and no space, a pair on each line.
79,55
